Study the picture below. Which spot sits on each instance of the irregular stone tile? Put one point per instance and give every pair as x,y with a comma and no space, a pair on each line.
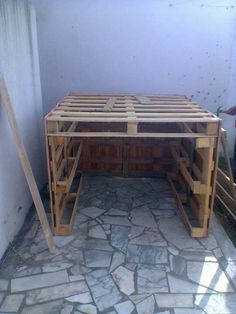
51,267
76,278
127,192
46,308
149,238
32,231
12,303
230,269
146,306
107,228
144,254
80,230
225,243
57,259
131,266
217,303
98,244
175,232
3,284
198,255
209,275
97,232
141,201
151,279
75,255
119,237
92,223
177,265
173,250
99,221
80,219
188,311
179,285
164,206
79,269
80,298
142,218
96,258
87,308
27,272
117,212
115,220
61,241
46,255
39,235
39,281
124,278
135,231
117,260
67,309
209,242
92,212
56,292
121,205
126,307
26,256
39,247
104,291
167,213
218,253
171,300
136,298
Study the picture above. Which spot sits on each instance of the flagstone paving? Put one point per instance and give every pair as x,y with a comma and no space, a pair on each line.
129,253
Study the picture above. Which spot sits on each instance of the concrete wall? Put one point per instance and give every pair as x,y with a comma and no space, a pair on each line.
139,46
19,64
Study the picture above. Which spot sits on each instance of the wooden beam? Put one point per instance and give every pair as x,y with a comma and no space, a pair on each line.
7,106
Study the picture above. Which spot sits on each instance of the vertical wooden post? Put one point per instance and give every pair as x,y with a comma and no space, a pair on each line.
6,104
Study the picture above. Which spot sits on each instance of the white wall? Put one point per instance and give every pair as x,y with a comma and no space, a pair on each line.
19,64
153,46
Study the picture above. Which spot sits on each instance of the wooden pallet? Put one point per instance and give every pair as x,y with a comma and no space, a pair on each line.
175,128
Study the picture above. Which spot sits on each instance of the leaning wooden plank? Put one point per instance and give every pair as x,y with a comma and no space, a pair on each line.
6,103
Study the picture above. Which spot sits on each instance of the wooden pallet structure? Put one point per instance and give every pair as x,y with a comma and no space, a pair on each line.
225,186
188,133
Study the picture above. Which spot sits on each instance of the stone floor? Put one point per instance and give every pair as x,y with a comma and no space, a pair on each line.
129,253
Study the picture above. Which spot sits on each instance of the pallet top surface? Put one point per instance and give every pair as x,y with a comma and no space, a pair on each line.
129,108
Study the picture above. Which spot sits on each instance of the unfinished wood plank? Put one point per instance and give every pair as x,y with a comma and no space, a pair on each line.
7,106
124,134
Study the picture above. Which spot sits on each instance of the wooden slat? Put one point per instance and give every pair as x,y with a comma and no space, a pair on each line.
194,231
65,186
143,99
109,104
7,106
124,134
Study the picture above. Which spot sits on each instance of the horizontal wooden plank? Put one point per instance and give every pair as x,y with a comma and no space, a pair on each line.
143,119
97,114
123,134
